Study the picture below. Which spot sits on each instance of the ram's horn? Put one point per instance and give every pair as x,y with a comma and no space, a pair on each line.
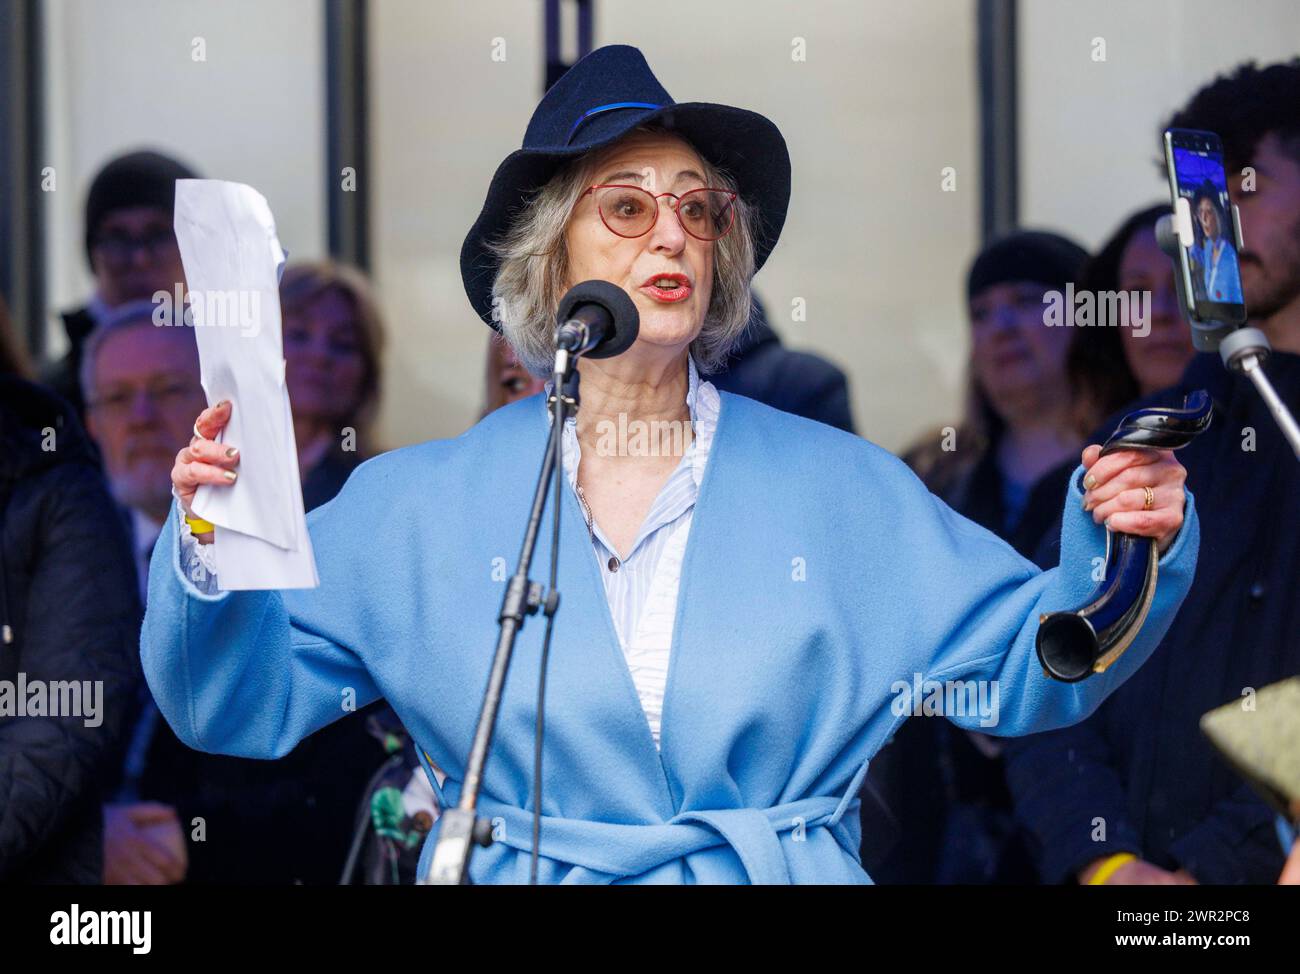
1076,643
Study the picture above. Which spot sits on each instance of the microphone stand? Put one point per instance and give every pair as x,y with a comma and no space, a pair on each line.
461,827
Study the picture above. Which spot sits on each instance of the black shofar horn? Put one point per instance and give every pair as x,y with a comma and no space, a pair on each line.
1074,644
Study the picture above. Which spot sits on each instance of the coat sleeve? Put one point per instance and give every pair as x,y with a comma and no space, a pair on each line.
251,673
81,624
978,603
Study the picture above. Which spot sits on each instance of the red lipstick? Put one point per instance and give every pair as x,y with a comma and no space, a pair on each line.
667,287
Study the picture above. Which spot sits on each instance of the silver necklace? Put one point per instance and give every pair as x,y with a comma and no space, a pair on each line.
586,510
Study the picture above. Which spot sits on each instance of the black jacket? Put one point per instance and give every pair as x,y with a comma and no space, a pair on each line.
1140,764
64,376
67,591
795,382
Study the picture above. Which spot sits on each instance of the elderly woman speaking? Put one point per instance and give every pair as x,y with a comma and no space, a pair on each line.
744,624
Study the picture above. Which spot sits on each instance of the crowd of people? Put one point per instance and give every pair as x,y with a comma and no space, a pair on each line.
1132,794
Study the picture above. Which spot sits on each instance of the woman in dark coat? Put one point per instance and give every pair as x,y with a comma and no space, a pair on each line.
63,617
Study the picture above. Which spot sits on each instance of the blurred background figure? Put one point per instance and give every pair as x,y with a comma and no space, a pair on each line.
796,382
139,383
333,339
64,616
507,379
1005,466
1173,812
1008,460
179,814
1117,365
131,248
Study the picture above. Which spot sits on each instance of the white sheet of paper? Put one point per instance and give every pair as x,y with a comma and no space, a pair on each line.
233,259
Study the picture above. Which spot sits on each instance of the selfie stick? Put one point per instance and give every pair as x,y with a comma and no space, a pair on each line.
1242,349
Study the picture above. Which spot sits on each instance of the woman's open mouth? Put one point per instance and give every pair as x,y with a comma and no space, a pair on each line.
668,287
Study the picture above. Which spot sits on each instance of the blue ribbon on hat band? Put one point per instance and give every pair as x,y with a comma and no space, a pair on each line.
605,108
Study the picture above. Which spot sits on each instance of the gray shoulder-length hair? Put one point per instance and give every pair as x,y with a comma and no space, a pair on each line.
534,266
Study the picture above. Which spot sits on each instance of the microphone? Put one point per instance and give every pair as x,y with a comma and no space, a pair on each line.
596,319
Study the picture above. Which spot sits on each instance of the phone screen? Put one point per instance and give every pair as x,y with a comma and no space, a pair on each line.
1210,267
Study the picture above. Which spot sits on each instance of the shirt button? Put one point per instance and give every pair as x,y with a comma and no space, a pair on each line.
613,563
1257,591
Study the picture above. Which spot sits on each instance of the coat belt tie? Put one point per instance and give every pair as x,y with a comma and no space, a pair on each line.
623,850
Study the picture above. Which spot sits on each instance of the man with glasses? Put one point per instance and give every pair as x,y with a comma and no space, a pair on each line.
140,385
131,248
272,822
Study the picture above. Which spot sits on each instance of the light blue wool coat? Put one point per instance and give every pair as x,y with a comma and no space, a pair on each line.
820,577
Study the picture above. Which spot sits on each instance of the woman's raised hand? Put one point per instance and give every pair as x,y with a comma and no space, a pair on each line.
1116,492
205,461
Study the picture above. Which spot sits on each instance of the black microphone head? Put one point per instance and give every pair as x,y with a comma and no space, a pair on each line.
624,319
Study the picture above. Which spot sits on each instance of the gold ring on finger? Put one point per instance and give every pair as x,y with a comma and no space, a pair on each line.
1150,501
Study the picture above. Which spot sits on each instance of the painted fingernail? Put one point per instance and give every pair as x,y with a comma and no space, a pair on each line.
1090,481
230,475
232,452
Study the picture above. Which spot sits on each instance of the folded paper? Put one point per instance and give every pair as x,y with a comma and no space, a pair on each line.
233,260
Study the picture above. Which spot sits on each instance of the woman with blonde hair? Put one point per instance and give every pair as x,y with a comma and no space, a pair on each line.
333,338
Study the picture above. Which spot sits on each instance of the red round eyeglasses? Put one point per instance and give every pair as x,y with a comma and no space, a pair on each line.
632,211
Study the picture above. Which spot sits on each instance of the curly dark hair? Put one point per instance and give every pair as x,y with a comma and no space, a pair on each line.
1246,105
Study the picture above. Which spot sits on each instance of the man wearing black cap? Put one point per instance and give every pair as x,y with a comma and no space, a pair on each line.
131,247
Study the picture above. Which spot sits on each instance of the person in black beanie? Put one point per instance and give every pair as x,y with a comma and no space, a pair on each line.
1019,428
130,246
1004,467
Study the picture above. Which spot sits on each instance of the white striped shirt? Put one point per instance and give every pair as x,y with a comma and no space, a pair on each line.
642,588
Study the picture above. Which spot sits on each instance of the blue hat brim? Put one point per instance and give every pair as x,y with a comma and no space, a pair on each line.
747,145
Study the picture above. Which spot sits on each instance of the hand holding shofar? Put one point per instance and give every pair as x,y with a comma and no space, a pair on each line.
1074,644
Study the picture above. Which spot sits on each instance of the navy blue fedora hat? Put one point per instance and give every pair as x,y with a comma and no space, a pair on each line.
596,102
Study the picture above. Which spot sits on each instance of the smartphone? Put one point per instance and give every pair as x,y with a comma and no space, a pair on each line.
1207,227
